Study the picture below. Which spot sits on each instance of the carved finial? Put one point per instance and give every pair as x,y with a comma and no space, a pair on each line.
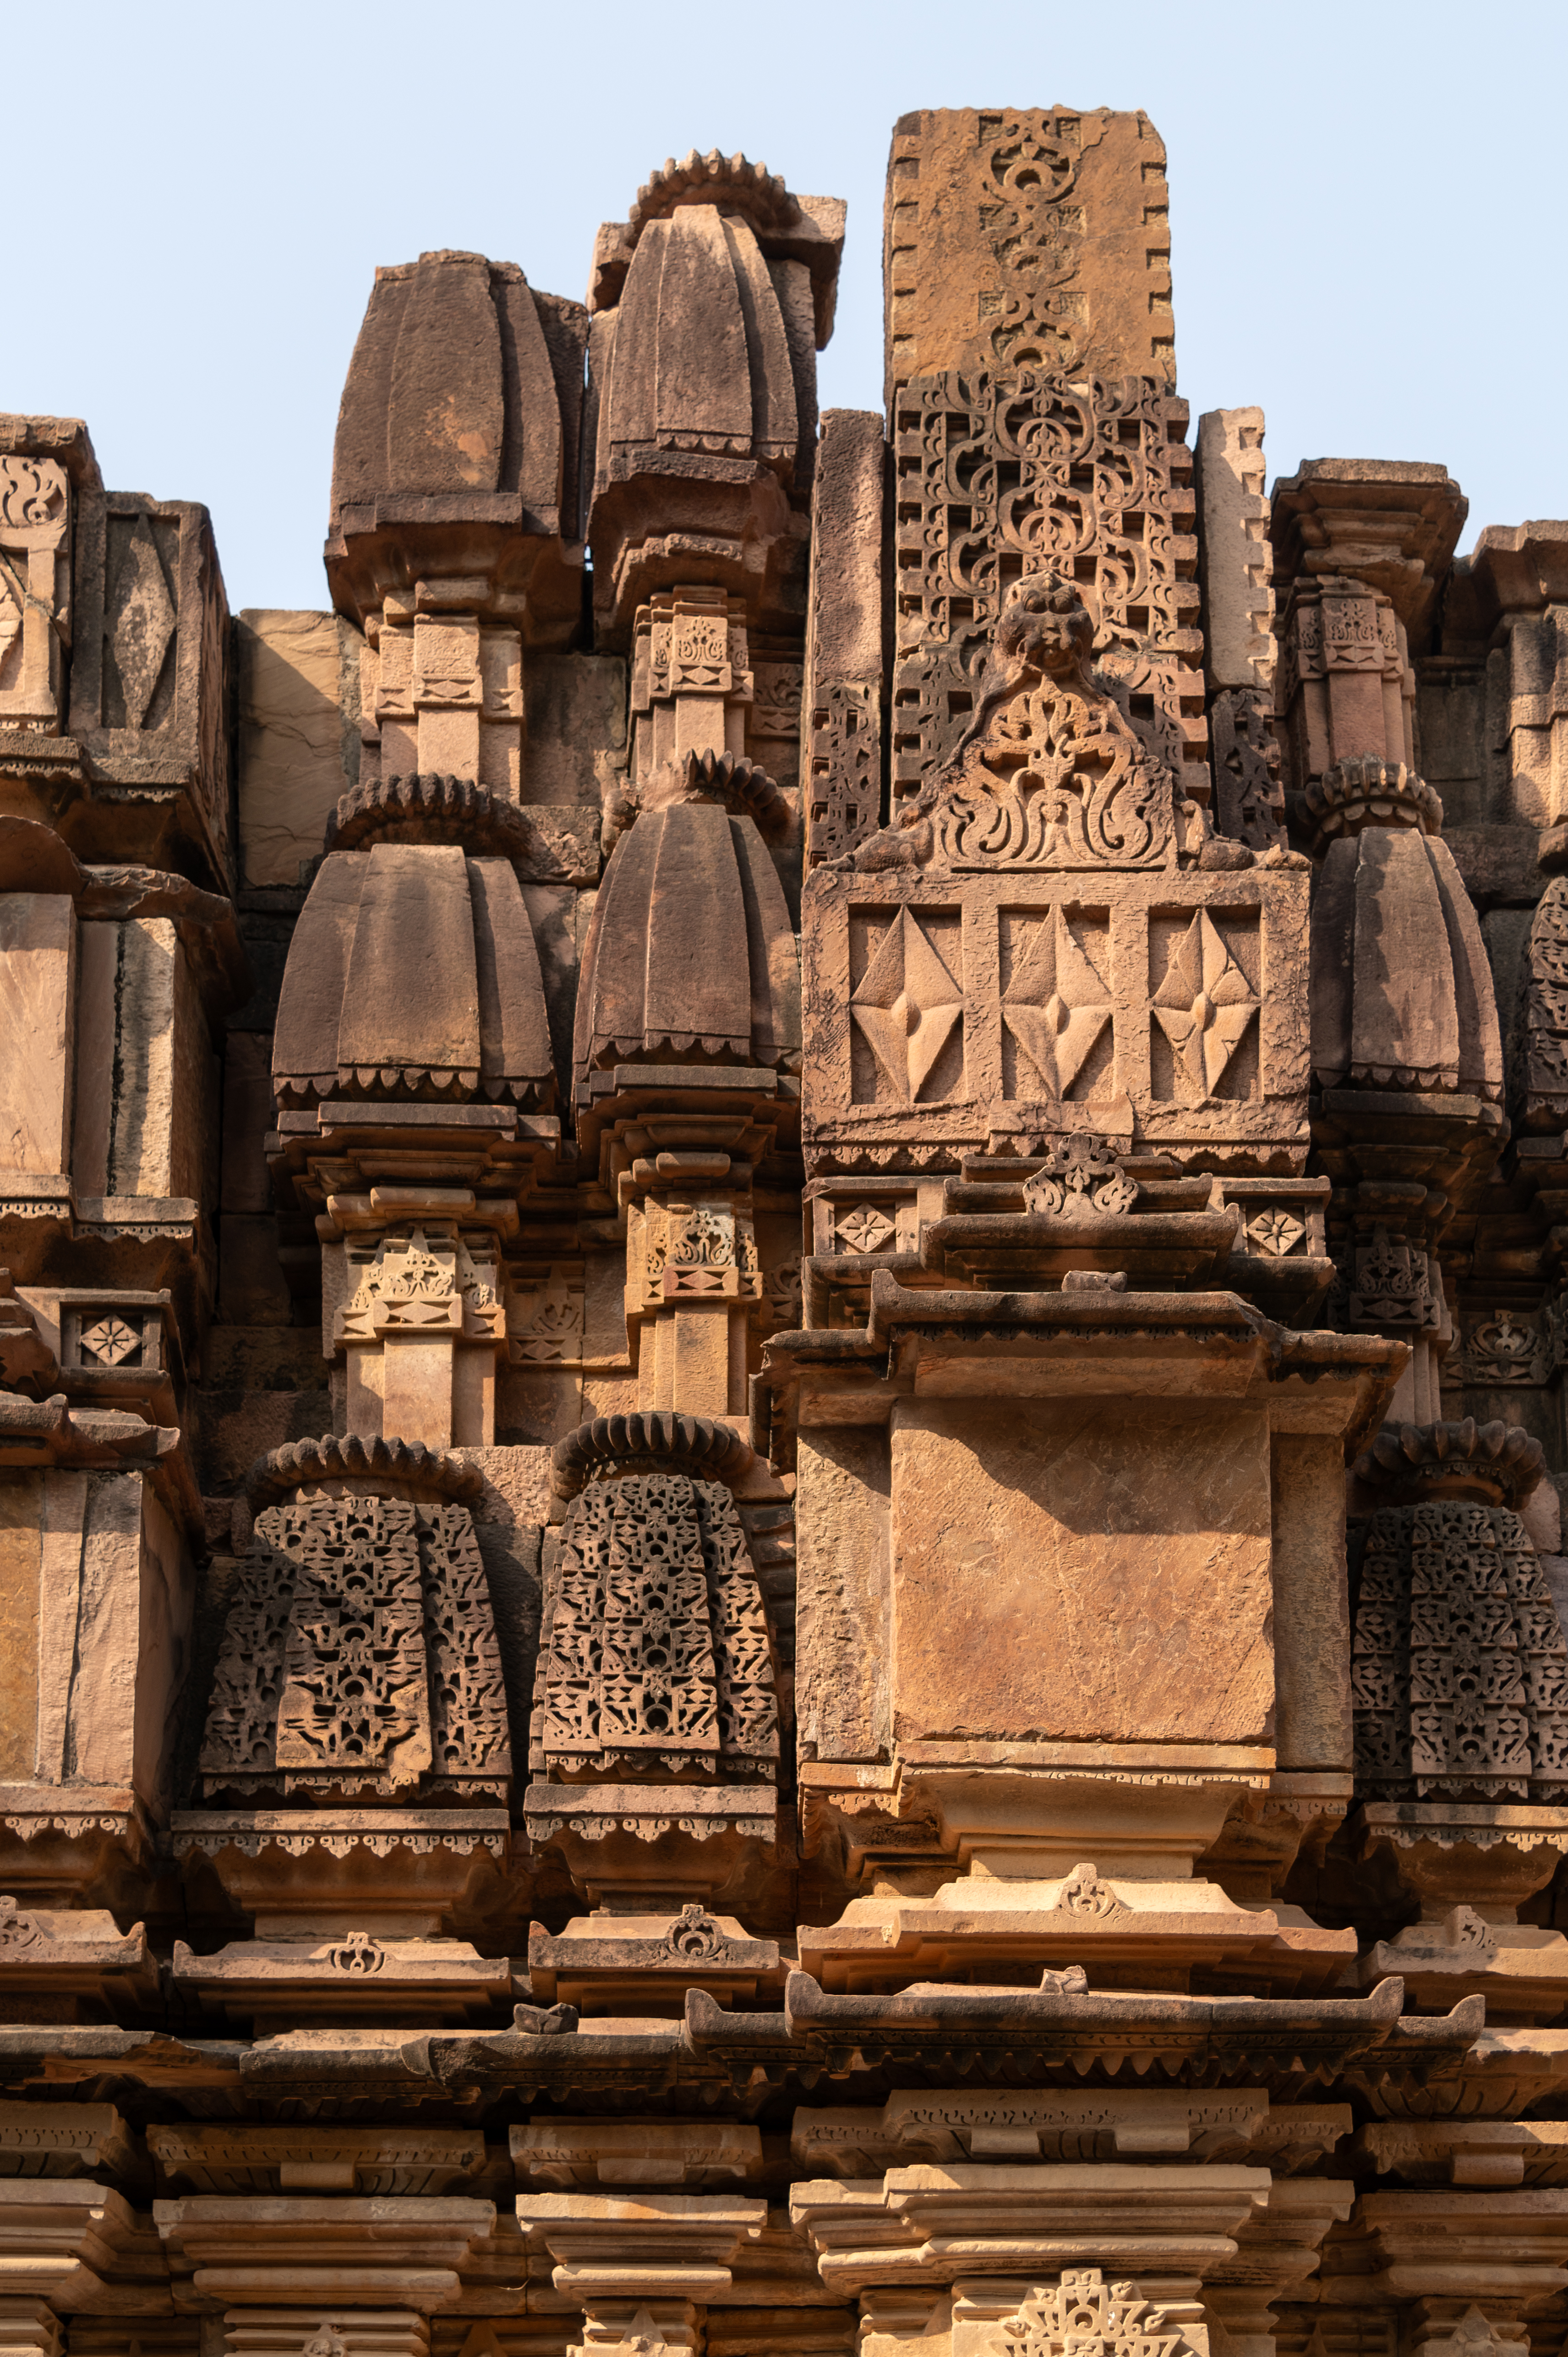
1499,1463
731,182
1360,791
1081,1176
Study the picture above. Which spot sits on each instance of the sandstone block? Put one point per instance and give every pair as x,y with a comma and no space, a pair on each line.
841,710
149,679
21,1504
145,1081
95,1604
1312,1607
37,1005
1080,1571
1234,556
247,1117
1028,238
577,728
252,1288
298,735
841,1501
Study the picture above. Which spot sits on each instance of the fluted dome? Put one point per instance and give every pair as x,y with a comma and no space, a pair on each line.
701,354
412,972
808,230
691,956
456,447
1401,987
712,301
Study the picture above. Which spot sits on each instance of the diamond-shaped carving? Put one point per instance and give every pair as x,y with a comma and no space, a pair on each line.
865,1228
1056,1004
1275,1231
141,621
1204,1005
906,1005
110,1341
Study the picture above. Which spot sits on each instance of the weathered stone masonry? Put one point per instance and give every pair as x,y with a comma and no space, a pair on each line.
782,1340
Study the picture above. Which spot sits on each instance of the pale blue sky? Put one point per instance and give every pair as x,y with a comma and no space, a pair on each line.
1368,207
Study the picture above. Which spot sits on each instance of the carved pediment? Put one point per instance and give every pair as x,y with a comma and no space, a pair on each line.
1051,774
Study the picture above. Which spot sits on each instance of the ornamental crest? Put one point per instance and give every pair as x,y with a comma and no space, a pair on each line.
1084,2315
422,1283
1079,1175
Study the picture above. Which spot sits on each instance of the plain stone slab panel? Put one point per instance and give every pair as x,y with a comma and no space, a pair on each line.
37,1000
1234,556
1081,1570
246,1186
146,1082
252,1287
577,728
1312,1603
295,750
842,1541
20,1545
847,524
116,1654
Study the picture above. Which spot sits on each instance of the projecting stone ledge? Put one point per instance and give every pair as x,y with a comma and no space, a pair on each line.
1287,2046
1037,1345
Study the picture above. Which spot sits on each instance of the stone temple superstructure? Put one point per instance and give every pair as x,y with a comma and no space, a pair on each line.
783,1324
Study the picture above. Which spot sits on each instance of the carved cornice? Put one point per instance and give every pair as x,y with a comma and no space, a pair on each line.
402,1467
658,1442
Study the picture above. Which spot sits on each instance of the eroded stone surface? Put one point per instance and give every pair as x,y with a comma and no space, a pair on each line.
1080,1573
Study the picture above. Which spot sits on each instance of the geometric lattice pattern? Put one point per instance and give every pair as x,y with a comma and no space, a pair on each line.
1000,476
1459,1672
656,1652
361,1647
